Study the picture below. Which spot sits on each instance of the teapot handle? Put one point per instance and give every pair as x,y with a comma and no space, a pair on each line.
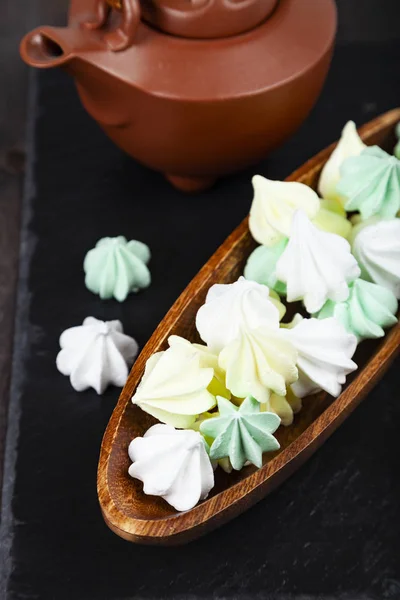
122,37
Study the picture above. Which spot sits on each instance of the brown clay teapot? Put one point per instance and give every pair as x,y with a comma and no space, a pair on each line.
195,89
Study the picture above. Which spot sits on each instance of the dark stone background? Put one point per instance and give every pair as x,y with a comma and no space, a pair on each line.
333,530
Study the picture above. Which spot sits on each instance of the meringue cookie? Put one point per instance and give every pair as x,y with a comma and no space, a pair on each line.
350,144
284,406
261,266
377,250
208,359
371,183
174,387
273,207
368,310
331,219
316,266
116,267
325,350
224,463
96,354
172,464
259,362
276,301
242,434
232,307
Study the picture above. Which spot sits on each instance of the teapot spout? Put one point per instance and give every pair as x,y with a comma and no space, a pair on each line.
47,47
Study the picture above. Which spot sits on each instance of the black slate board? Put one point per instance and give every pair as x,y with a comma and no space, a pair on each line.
332,531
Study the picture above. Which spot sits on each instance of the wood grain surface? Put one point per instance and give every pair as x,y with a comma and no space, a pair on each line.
147,519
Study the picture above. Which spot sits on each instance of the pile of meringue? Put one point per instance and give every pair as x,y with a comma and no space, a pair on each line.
220,403
97,353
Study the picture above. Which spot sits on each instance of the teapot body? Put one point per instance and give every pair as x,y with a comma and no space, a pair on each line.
197,109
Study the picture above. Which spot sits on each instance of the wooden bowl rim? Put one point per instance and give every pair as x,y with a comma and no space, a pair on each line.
148,530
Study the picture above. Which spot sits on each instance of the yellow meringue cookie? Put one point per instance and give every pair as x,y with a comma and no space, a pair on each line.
350,144
331,219
275,299
284,406
259,362
273,207
175,385
208,359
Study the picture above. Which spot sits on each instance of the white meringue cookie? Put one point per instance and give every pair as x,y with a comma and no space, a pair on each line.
273,206
233,307
174,387
96,354
316,265
172,464
377,249
258,362
325,350
350,144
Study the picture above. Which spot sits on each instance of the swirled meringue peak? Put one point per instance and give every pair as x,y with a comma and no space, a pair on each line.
258,362
316,265
175,385
325,350
241,434
116,267
371,183
273,207
369,309
261,266
172,464
350,144
232,307
96,354
377,250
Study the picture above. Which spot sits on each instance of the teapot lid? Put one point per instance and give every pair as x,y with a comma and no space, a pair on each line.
203,18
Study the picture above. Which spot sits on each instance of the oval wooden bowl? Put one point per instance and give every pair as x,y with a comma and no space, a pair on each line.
148,519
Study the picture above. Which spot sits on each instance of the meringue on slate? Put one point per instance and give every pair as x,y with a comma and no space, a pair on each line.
116,267
259,362
377,249
316,266
230,308
273,207
350,144
175,385
325,350
172,464
96,354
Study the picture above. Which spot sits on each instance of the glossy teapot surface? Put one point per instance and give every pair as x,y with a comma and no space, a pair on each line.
191,106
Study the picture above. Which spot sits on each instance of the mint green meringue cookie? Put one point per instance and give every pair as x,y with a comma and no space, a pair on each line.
261,266
397,147
241,434
369,309
371,183
116,267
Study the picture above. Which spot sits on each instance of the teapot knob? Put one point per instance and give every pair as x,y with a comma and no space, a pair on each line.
121,36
